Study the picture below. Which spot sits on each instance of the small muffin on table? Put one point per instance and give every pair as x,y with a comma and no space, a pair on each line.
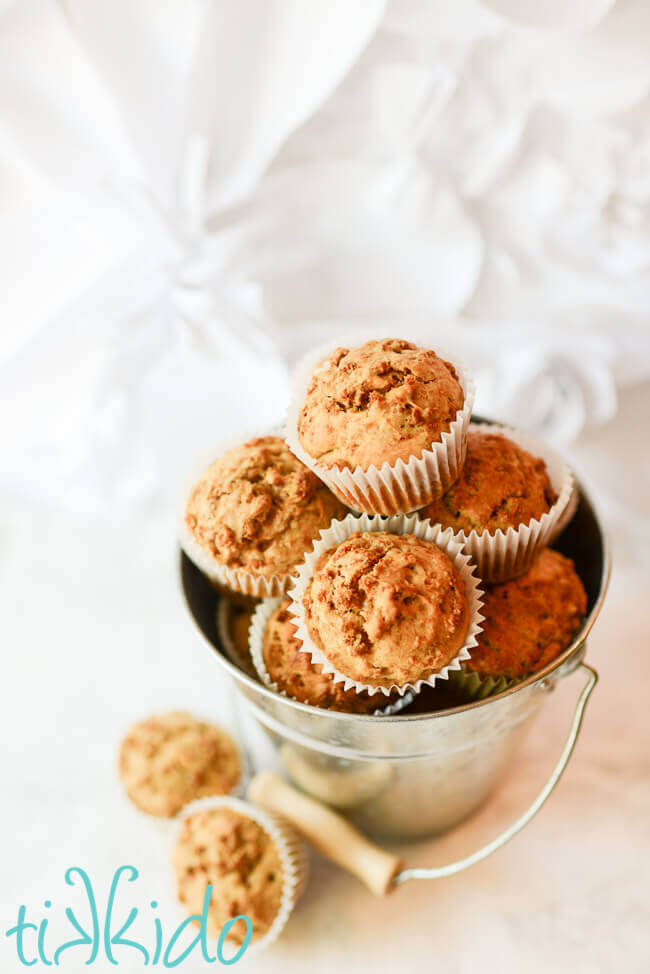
255,863
171,759
239,859
252,515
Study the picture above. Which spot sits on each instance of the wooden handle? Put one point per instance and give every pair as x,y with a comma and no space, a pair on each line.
328,832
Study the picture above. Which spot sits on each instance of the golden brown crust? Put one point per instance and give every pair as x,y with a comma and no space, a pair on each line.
171,759
295,674
529,620
240,860
387,609
501,485
384,401
259,508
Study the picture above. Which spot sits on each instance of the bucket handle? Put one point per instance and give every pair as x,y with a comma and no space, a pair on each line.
379,870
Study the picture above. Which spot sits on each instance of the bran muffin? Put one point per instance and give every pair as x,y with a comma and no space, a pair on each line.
386,609
293,672
529,620
258,508
233,853
382,402
501,486
169,760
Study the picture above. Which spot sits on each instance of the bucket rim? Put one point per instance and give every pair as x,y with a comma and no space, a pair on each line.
566,662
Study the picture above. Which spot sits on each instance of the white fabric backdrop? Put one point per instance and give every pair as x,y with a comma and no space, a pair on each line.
195,191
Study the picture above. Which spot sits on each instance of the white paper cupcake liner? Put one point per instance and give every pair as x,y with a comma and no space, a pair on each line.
337,532
402,487
260,618
291,849
504,555
236,579
566,516
223,619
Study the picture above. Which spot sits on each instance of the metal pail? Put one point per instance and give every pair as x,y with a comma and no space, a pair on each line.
418,772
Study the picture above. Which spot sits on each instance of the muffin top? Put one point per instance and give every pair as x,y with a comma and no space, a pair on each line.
386,609
385,401
259,508
169,760
501,486
294,672
240,860
529,620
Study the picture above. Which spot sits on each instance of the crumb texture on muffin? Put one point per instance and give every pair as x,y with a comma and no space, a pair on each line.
384,401
386,609
294,673
169,760
501,486
240,860
259,508
529,620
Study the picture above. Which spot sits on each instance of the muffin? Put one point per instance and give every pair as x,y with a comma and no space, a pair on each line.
386,609
383,402
501,486
291,671
252,515
169,760
240,860
529,620
384,425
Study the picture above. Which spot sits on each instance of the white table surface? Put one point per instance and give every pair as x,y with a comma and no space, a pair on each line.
94,636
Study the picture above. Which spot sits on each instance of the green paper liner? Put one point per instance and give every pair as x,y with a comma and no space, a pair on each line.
473,686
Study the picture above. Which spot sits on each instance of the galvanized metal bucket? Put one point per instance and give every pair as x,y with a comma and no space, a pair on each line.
417,773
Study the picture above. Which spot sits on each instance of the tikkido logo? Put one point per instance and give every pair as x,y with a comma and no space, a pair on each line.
93,938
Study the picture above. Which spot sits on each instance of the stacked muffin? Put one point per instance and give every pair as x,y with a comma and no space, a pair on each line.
392,542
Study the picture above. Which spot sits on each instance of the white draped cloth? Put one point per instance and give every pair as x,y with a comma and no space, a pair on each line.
194,192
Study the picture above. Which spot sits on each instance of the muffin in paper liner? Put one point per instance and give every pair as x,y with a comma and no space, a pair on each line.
504,555
391,489
258,625
237,579
233,579
337,532
291,850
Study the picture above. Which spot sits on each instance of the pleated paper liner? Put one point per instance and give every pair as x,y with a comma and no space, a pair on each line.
399,524
291,850
396,489
260,618
472,686
504,555
234,579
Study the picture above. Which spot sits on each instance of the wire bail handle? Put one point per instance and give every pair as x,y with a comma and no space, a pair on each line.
379,870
